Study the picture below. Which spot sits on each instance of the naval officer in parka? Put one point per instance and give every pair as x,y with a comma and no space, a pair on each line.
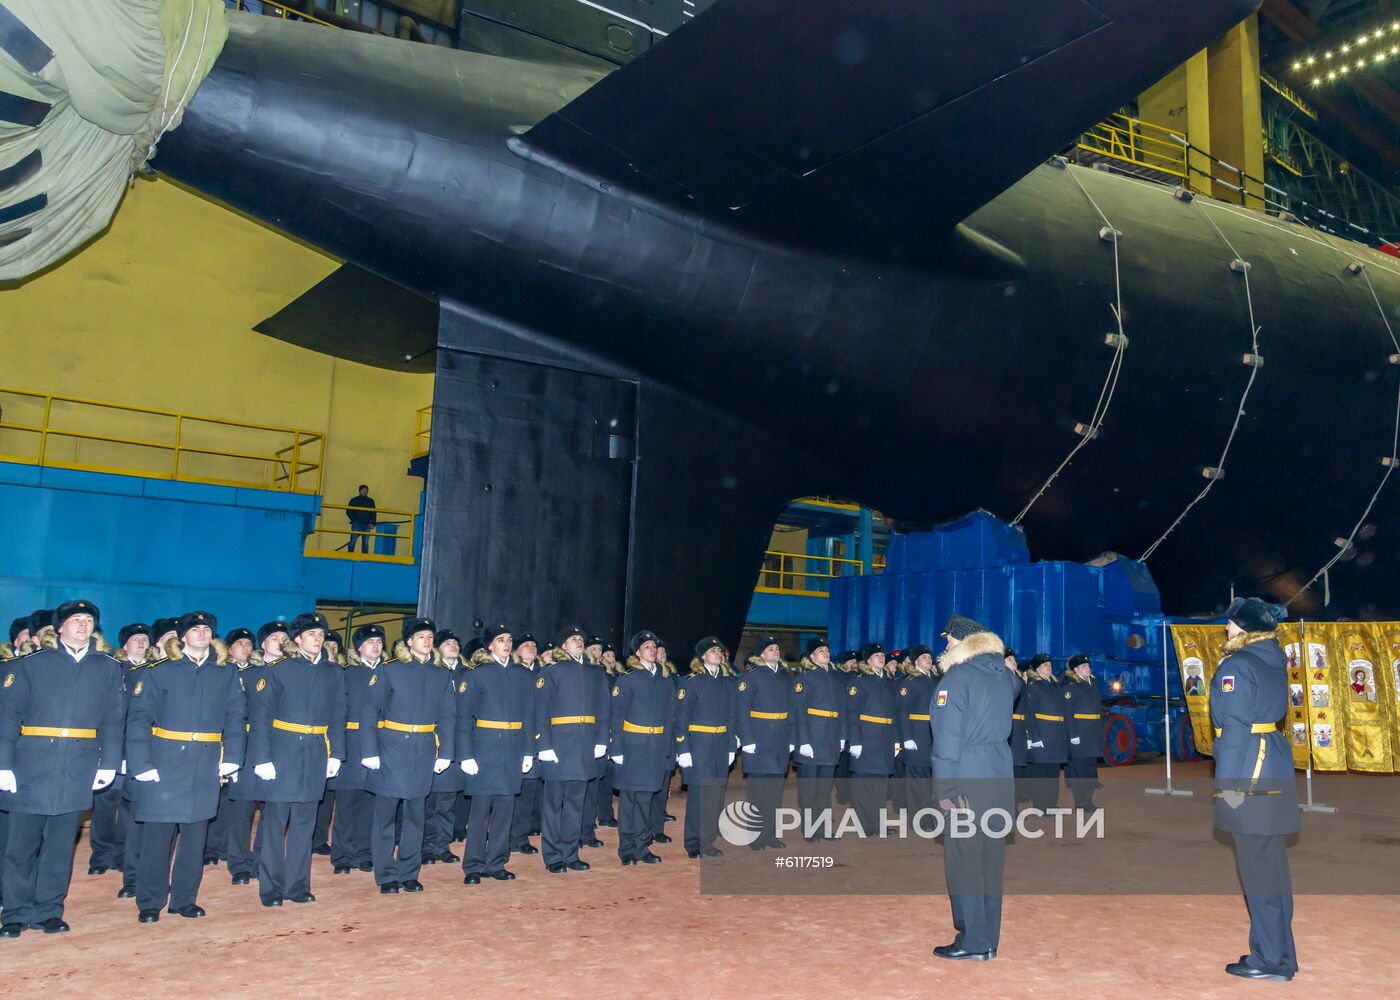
1256,797
971,724
496,745
184,732
642,710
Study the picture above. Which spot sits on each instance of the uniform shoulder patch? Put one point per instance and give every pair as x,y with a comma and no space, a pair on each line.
903,692
942,698
539,683
462,688
134,692
9,679
1227,683
262,683
743,685
617,690
797,688
853,689
680,694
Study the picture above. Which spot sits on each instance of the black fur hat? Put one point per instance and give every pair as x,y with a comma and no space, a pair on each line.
1253,614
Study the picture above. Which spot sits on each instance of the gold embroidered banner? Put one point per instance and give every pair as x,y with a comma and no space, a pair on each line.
1353,653
1388,683
1296,727
1324,694
1196,657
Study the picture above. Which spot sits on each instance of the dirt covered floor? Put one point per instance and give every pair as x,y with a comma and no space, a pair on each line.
651,932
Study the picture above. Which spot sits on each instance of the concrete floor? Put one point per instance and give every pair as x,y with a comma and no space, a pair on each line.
649,932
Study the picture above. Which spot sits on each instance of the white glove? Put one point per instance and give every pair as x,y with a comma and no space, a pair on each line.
897,749
370,762
123,767
469,766
843,744
7,781
104,778
441,764
910,745
525,764
855,750
1028,743
1074,740
151,775
266,771
731,759
750,748
685,760
332,766
792,747
227,768
805,750
599,749
617,759
550,756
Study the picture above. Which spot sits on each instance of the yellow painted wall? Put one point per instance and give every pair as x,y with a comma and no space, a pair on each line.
160,311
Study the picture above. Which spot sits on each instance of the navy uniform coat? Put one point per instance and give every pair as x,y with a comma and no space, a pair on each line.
1044,707
1083,716
299,692
1256,791
916,693
766,719
642,699
571,705
971,725
353,774
179,696
819,703
870,722
533,672
495,724
451,780
707,724
411,692
50,689
243,783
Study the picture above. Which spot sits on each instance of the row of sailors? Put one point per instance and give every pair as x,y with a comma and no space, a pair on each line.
273,718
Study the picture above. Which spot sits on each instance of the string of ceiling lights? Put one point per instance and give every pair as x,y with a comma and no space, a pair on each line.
1371,49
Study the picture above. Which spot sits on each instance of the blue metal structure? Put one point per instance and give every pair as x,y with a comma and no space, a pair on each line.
979,566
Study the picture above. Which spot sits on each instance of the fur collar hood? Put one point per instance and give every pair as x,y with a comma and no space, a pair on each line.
403,655
635,663
807,665
757,662
1070,677
96,644
479,657
974,645
697,667
175,651
354,659
1248,639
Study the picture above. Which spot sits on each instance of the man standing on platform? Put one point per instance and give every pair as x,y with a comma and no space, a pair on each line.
643,704
297,712
60,739
495,741
406,733
525,818
819,694
707,737
354,806
571,699
767,731
1256,792
971,726
184,734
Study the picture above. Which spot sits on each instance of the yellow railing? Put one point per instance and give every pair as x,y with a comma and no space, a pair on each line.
828,502
1130,140
375,544
802,575
67,432
277,10
422,431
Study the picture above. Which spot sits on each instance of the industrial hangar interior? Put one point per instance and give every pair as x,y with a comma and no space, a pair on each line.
647,497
